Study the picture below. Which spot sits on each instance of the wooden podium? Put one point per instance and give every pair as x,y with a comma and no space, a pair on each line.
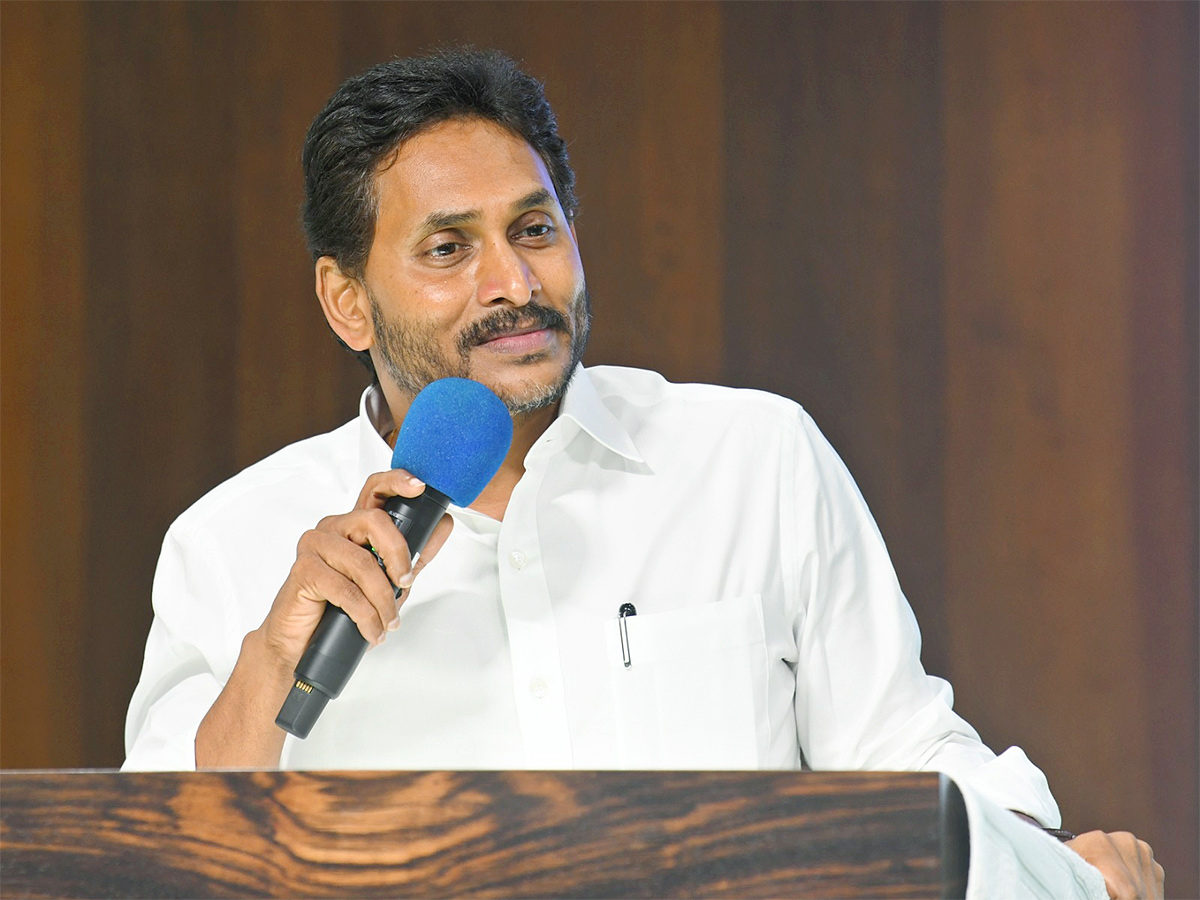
481,834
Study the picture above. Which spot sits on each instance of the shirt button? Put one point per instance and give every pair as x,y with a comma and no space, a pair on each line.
516,559
539,688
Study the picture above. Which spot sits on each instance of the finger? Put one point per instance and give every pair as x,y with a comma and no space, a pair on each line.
364,592
1126,868
1103,851
375,529
315,583
1151,872
383,485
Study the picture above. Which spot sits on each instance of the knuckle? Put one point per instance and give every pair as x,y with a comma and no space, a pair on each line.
364,563
373,584
350,599
307,540
379,518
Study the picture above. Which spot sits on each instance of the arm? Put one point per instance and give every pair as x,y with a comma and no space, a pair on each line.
205,701
863,700
1127,864
332,565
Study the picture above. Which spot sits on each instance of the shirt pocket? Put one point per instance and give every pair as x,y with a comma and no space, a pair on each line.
694,694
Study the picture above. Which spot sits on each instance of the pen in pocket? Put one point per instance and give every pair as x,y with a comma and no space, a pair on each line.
626,610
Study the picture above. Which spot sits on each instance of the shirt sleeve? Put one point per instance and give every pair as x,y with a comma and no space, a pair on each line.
179,683
863,700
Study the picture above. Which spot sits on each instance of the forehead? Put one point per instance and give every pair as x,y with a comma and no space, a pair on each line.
459,166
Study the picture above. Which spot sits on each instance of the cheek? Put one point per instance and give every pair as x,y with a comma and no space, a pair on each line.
565,276
439,299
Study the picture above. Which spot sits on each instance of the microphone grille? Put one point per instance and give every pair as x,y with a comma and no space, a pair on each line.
454,438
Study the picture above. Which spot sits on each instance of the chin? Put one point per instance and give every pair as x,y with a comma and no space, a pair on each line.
529,393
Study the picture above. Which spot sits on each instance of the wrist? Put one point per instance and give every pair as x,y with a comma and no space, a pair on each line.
267,658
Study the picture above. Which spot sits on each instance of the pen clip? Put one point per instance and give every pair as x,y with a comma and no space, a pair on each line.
626,610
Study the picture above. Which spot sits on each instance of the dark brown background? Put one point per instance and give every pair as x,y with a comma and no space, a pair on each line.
964,236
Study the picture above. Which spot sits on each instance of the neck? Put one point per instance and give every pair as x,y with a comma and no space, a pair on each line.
527,428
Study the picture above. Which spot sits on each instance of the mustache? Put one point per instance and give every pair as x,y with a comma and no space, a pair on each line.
506,321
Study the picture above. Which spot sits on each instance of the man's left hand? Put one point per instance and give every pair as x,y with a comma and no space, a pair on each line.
1127,864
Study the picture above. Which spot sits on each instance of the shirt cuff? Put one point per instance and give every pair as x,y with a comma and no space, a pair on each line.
166,740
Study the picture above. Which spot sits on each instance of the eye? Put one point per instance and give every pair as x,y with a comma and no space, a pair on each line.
536,233
444,251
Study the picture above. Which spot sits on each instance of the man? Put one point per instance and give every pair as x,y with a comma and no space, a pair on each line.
762,627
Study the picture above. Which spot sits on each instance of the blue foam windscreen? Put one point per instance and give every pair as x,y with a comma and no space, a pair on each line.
454,438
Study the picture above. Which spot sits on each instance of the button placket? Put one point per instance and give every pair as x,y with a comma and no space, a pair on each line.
532,632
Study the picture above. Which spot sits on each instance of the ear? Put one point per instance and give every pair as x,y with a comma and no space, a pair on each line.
345,304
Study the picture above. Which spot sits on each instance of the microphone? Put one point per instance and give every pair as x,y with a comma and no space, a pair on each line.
454,438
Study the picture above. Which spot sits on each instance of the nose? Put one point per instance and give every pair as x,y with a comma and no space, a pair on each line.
505,276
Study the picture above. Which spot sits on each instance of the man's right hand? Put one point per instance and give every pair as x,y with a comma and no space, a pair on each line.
333,565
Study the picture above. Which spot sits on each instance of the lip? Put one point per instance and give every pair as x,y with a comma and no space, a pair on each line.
523,340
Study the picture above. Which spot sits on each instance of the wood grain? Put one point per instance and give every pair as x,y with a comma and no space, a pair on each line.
44,444
1055,385
963,235
479,834
833,292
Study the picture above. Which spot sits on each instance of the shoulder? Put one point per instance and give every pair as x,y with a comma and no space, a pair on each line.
622,388
737,425
309,472
711,424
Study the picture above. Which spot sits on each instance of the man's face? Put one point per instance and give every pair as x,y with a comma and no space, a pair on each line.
474,271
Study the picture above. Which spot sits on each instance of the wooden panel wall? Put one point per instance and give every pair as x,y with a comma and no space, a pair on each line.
44,516
964,236
1072,398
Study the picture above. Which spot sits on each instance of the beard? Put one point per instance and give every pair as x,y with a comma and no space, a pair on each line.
413,358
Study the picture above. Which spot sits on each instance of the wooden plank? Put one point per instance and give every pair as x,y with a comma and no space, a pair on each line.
45,447
477,834
1162,317
291,380
833,287
1042,242
161,316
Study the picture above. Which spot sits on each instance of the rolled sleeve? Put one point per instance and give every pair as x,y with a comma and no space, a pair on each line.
185,665
863,699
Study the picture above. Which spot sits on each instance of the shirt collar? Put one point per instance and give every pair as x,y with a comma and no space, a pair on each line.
374,421
581,404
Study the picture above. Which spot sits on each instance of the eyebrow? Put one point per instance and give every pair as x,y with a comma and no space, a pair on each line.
442,219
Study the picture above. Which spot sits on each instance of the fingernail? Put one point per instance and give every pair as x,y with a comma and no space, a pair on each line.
415,481
394,624
406,580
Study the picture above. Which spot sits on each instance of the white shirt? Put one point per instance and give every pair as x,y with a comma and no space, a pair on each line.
770,627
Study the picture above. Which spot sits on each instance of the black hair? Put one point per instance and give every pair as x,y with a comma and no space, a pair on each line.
371,114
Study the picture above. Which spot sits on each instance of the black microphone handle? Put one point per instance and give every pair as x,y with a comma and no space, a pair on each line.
337,645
